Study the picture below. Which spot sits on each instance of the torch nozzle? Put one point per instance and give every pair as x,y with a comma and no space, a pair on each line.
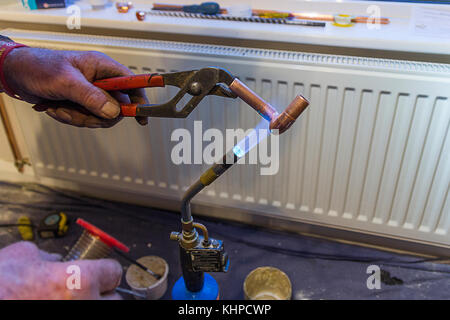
282,121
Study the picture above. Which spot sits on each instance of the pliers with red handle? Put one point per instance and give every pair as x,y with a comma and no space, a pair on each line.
197,83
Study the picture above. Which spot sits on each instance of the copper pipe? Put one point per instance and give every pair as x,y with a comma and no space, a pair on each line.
20,161
312,16
282,121
329,17
253,100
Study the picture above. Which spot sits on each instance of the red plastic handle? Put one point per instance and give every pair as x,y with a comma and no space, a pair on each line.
131,82
106,238
128,110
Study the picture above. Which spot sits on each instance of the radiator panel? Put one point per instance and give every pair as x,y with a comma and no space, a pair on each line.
370,154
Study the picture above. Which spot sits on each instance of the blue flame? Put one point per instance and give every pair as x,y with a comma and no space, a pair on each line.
238,151
259,133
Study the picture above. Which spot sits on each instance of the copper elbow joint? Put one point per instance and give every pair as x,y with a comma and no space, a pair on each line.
285,120
282,121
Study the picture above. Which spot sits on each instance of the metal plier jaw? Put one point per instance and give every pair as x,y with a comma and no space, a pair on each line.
197,83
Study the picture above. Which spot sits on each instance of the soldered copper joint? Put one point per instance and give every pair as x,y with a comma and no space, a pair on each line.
280,122
285,120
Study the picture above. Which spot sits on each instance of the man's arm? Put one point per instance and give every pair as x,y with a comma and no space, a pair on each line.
60,83
4,40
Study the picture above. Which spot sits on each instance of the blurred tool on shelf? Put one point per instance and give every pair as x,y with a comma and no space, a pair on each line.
141,16
203,8
244,13
332,18
271,14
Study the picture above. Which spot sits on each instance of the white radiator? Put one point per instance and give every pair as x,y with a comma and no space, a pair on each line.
371,154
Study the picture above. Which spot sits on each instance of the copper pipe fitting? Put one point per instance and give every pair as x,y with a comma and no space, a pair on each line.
253,100
282,121
289,115
124,7
140,15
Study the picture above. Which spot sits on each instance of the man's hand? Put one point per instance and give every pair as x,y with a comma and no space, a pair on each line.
60,83
29,273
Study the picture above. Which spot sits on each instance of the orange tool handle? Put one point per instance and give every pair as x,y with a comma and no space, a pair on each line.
128,110
130,82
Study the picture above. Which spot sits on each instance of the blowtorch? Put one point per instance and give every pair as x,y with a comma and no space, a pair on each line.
200,254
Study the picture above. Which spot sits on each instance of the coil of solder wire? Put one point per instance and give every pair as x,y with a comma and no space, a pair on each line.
88,246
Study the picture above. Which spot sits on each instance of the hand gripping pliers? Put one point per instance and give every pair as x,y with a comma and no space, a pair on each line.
199,83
